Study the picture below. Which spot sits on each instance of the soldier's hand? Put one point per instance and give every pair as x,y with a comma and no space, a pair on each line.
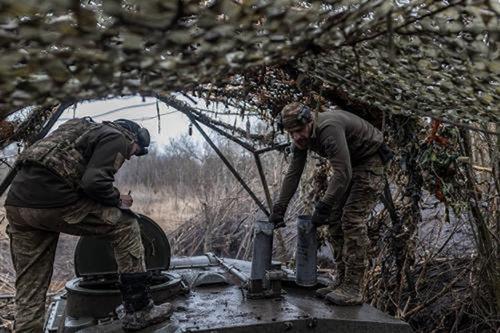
277,217
126,201
321,213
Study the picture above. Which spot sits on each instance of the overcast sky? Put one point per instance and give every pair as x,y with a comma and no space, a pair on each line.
172,124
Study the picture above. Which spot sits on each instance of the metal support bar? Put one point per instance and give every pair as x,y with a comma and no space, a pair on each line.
223,133
43,132
263,180
277,147
194,114
228,165
279,235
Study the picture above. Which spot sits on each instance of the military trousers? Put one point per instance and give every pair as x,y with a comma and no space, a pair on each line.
33,239
347,223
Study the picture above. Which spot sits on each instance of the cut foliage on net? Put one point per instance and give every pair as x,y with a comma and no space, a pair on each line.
433,58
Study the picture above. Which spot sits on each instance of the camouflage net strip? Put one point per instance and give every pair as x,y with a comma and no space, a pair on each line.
421,57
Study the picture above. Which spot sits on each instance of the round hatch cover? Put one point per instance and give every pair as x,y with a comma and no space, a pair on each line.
94,256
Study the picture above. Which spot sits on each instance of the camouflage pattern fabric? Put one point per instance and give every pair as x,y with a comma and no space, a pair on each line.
404,57
58,152
33,238
347,222
61,151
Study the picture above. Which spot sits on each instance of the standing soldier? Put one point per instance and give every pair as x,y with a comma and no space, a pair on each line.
65,184
355,150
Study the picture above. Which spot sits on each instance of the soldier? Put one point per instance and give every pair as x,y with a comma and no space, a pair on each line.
65,184
353,146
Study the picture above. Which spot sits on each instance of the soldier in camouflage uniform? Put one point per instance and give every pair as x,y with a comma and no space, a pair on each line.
352,146
65,184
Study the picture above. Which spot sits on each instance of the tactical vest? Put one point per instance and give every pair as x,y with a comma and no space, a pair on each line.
61,153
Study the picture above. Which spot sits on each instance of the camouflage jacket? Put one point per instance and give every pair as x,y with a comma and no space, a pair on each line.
79,158
345,140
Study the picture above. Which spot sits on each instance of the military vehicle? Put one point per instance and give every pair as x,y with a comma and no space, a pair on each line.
209,293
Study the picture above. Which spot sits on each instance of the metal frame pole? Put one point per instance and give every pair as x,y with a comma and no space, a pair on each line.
263,180
228,165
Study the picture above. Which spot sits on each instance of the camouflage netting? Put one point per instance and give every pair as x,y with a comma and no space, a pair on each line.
392,62
423,57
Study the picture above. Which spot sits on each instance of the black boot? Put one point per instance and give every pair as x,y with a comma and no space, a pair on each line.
138,310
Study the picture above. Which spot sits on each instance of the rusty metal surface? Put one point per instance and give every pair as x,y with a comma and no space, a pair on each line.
214,309
225,308
228,311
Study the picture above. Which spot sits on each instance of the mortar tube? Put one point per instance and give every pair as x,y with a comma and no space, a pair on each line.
306,253
262,254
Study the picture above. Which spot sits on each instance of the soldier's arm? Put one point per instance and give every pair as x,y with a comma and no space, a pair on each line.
108,155
292,178
335,144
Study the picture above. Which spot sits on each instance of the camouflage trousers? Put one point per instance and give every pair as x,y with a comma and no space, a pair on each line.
33,239
347,223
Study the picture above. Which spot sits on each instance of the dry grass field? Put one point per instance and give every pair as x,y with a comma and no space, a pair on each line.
164,207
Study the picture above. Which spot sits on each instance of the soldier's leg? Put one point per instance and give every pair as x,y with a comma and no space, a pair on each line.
120,228
336,239
367,184
336,234
127,245
32,253
88,218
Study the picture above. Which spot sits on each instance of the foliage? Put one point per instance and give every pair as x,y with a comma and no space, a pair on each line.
422,57
392,62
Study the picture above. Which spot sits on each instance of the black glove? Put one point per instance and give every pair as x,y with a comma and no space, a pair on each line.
277,217
321,213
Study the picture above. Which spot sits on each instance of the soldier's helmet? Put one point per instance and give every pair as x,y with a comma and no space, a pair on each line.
295,116
141,133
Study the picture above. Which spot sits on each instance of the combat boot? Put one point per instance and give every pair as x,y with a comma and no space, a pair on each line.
339,277
322,292
349,291
138,310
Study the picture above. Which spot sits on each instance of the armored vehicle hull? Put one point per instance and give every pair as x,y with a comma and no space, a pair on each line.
212,300
209,294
